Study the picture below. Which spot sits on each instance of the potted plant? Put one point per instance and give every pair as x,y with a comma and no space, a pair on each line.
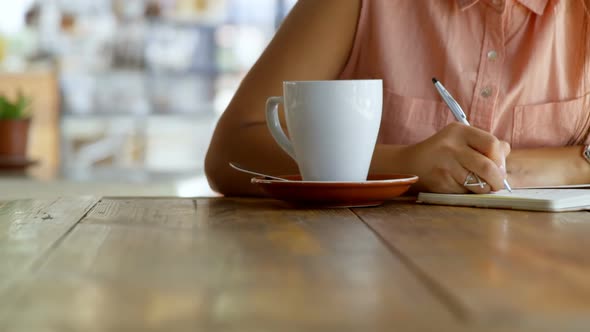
14,126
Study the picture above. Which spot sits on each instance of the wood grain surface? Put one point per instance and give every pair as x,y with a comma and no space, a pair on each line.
228,264
499,267
217,265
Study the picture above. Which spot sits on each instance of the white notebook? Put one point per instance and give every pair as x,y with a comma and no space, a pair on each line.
536,199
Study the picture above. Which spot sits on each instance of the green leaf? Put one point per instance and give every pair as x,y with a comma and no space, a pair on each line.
17,109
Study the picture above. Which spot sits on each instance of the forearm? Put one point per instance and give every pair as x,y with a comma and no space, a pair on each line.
396,159
253,147
547,166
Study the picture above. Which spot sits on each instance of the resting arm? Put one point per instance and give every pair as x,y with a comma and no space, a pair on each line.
547,166
313,43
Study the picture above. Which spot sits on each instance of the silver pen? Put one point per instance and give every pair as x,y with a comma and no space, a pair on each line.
458,113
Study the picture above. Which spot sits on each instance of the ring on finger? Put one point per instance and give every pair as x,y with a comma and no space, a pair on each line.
472,180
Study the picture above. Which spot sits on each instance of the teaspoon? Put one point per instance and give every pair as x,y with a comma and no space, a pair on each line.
242,169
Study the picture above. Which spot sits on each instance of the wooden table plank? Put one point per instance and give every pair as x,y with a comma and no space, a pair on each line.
30,228
509,268
221,265
146,212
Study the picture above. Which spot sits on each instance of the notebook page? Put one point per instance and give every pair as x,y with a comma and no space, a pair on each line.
564,186
536,194
525,199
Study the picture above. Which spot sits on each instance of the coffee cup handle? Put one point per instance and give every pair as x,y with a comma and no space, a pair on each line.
274,125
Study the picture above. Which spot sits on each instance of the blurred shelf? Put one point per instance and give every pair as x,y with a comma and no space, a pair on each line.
201,115
33,188
192,72
129,175
184,21
141,94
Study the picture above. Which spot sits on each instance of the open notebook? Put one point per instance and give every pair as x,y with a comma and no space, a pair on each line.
554,199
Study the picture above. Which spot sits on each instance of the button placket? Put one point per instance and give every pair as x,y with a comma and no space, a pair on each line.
488,79
487,90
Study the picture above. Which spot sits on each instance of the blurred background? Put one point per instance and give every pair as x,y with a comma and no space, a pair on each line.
125,93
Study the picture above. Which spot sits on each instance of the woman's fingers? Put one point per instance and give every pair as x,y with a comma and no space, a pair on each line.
458,175
485,168
487,144
486,157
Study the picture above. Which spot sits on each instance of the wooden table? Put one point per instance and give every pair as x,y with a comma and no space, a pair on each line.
223,264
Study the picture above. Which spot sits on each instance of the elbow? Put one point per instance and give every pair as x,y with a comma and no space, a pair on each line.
223,179
216,165
228,145
214,174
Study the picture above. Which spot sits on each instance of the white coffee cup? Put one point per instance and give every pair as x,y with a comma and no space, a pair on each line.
333,126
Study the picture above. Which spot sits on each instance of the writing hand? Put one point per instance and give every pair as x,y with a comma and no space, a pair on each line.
444,160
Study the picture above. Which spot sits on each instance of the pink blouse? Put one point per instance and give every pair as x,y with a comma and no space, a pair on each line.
517,67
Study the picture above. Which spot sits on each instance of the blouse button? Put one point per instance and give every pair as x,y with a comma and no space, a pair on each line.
492,55
486,92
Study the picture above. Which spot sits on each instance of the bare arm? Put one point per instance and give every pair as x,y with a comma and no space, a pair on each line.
548,166
313,43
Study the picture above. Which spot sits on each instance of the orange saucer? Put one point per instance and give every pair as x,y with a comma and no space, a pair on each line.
376,190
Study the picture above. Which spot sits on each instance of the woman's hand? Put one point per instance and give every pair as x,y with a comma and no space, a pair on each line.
444,160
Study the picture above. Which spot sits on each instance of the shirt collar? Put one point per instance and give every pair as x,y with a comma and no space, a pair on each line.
536,6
